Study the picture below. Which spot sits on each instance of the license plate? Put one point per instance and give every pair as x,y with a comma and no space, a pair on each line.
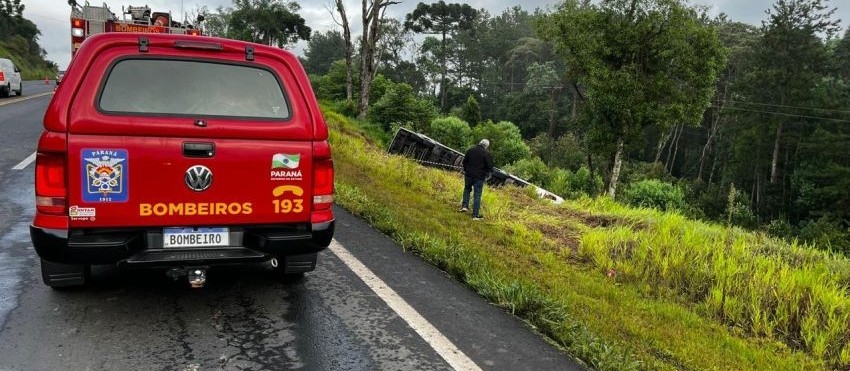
195,237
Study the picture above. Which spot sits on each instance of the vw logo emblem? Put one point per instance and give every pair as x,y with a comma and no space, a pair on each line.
198,178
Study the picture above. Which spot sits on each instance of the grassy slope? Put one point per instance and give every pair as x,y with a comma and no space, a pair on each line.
30,70
540,262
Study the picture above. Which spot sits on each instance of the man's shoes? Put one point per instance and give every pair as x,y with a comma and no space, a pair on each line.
479,217
463,209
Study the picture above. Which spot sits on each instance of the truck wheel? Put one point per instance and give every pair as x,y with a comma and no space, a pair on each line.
5,92
58,275
293,266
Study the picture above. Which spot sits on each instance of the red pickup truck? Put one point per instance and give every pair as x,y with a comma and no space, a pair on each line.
181,152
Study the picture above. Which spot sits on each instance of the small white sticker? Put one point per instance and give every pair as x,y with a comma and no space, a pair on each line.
82,212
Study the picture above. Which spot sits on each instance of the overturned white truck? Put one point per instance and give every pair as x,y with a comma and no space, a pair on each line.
430,152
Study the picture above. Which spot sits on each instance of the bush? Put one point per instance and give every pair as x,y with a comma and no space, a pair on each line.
564,152
656,194
738,210
400,106
452,132
574,185
636,171
532,170
506,144
779,228
331,86
827,232
380,86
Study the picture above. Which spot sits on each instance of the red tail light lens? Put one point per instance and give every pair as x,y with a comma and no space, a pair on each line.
323,183
2,76
50,190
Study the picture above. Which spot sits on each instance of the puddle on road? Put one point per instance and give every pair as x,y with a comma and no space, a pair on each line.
16,254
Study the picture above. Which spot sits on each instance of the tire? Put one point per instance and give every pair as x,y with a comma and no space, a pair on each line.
20,89
4,93
60,276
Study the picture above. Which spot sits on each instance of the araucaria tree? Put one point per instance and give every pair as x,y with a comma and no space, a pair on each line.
441,19
269,22
639,63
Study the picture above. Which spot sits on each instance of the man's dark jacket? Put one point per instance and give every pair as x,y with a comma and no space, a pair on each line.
477,163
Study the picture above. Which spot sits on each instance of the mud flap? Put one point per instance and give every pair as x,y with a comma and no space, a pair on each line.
63,275
294,264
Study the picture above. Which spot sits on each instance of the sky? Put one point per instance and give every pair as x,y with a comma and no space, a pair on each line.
52,16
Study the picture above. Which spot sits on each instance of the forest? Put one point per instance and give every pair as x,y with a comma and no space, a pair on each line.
655,103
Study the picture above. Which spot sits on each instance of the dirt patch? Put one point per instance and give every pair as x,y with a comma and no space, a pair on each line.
560,236
603,221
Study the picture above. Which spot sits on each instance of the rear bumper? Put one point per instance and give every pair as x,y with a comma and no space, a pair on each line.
143,247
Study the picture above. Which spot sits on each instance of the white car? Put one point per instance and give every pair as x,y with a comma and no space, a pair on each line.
10,79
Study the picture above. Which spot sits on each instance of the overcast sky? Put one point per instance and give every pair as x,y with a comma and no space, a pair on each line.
52,16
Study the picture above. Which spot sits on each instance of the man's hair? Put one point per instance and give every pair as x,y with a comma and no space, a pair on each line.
484,143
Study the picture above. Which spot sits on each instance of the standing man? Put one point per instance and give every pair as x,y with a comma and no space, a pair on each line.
477,166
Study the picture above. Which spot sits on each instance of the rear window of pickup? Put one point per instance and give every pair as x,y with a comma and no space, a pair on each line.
192,88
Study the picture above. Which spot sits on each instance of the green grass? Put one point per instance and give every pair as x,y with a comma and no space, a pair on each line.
31,69
617,288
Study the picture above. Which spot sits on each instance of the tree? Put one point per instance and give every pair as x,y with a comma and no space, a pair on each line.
738,39
322,50
332,85
823,177
521,56
441,19
471,111
269,22
790,58
398,106
452,132
842,56
349,49
506,144
565,151
373,12
217,23
640,62
393,41
544,79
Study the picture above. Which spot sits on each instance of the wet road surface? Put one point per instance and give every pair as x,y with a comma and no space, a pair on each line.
244,318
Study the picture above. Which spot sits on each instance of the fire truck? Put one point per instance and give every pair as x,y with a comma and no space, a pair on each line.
87,20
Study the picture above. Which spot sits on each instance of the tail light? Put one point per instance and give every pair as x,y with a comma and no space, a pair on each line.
50,189
2,75
77,28
323,183
193,32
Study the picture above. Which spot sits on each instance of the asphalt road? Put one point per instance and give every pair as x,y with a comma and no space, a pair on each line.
368,306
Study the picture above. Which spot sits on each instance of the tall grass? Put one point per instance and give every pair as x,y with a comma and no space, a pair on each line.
618,288
762,285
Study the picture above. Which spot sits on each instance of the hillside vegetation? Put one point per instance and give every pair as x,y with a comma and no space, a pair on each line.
19,42
654,102
617,287
32,67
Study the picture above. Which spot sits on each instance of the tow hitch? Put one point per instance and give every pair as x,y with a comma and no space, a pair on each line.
197,275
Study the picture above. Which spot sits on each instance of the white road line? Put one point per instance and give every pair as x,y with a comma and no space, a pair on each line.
444,347
21,99
26,162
